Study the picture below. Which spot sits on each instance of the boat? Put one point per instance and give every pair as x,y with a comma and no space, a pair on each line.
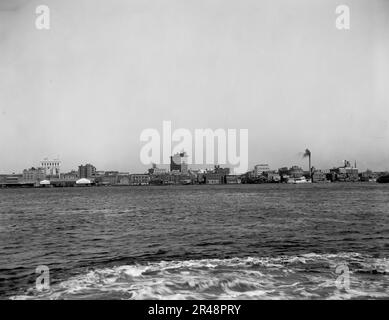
299,180
383,179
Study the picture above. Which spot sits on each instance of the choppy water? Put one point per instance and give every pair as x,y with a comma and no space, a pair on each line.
202,242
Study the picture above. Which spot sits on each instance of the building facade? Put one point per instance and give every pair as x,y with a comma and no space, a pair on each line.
233,179
34,174
260,169
52,167
179,162
296,172
319,176
346,173
213,178
72,175
86,171
139,179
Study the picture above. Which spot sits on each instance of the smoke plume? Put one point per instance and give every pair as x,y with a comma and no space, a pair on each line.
307,153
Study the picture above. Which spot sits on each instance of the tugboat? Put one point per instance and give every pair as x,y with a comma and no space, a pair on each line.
383,179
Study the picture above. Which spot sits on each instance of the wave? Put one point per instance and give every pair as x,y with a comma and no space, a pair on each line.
308,276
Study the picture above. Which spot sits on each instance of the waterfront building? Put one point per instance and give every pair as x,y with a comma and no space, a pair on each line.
233,179
200,177
213,178
110,178
52,168
170,178
368,175
319,176
3,178
123,179
345,173
260,169
272,176
34,174
248,177
284,174
70,176
87,171
221,171
178,162
139,179
156,171
295,172
185,179
184,168
11,179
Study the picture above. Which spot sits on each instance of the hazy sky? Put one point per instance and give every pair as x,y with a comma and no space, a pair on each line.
106,70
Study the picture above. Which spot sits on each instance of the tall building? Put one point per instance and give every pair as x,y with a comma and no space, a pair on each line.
178,162
52,167
86,171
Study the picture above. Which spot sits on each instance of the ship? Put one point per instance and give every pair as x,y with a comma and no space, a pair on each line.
383,179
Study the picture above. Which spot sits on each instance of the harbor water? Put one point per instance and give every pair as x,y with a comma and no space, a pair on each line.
270,241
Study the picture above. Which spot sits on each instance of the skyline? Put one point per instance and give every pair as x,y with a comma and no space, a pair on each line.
302,163
86,88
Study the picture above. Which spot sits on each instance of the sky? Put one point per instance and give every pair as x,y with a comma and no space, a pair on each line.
106,70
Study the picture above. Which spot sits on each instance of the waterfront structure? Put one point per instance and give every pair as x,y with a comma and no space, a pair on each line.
295,172
318,175
213,178
110,177
155,170
45,183
170,178
222,171
10,179
52,168
284,173
185,179
248,177
383,179
260,169
123,179
86,171
233,179
34,174
70,176
139,179
272,176
368,176
345,173
83,182
179,163
308,154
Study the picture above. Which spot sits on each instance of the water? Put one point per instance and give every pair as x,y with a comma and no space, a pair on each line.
202,242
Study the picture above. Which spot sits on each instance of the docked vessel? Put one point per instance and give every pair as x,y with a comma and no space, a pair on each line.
299,180
383,179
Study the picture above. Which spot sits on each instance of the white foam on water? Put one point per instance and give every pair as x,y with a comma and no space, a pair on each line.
309,276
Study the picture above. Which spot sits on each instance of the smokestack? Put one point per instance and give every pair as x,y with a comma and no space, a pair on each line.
307,153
